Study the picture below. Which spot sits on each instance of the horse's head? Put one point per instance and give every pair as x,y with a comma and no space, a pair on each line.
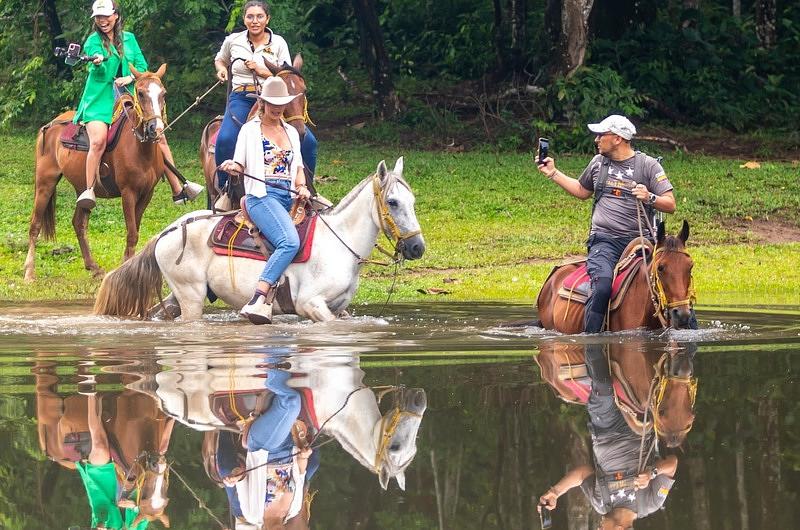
674,398
395,212
148,100
397,436
672,277
151,490
296,111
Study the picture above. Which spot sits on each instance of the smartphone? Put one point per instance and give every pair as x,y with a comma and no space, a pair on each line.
545,518
544,148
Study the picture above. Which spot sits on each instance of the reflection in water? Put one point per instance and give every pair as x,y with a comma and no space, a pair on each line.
634,398
263,413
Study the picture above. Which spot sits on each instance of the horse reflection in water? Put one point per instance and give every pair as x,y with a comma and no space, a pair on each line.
117,441
645,378
201,393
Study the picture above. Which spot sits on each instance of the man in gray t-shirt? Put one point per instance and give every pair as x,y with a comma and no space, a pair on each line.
631,177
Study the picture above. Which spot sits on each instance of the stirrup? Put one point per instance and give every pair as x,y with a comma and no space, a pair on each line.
87,200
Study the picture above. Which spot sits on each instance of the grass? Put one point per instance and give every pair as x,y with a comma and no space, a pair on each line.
493,225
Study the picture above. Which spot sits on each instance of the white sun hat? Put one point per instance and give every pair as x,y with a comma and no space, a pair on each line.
617,124
275,92
103,8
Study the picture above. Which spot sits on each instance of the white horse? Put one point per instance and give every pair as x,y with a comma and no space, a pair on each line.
344,408
320,288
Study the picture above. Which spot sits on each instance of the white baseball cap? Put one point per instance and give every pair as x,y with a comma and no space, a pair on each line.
617,124
103,8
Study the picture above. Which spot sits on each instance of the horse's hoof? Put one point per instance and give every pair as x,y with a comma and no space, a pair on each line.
98,273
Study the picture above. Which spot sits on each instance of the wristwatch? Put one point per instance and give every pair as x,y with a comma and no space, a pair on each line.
653,473
652,198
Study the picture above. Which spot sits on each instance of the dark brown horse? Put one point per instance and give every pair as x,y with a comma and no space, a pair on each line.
296,114
662,382
126,428
135,164
658,296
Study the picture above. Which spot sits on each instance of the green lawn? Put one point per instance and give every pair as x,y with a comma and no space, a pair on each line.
493,224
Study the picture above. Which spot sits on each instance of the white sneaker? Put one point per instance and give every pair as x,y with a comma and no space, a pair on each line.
87,199
257,310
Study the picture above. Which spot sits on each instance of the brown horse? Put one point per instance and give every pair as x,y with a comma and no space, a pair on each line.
126,428
662,382
296,114
660,295
135,165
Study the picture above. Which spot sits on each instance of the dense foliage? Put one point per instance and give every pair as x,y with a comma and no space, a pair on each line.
647,58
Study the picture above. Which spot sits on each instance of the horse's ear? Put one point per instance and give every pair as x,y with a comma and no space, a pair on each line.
684,235
383,477
662,232
164,520
398,166
401,480
161,70
298,62
271,67
382,171
134,72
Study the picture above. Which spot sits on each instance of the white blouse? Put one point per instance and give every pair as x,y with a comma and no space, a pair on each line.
237,46
249,153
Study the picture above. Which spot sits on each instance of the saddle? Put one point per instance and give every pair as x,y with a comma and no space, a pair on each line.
235,235
577,286
74,136
212,141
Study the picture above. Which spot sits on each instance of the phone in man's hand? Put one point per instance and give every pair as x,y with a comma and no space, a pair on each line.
545,517
543,150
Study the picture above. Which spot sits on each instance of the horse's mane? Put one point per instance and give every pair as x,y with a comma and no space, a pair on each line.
350,197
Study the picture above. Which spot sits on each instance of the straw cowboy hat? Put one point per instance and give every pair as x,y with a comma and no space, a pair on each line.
275,92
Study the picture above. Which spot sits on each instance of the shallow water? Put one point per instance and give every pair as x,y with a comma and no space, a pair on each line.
492,437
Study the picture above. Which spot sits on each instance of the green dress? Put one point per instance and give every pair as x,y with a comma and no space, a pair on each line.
100,482
97,101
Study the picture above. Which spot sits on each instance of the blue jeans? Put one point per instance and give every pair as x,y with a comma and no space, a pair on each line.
604,252
239,106
271,215
308,148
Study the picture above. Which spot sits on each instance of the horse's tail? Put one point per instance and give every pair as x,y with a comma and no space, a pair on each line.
49,216
132,288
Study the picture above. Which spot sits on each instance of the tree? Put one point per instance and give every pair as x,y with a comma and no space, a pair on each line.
373,52
573,38
766,23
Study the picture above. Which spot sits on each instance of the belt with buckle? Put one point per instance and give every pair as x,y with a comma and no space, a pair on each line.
246,88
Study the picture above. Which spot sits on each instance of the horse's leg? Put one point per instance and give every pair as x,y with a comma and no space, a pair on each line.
190,299
129,210
316,309
47,177
80,222
170,310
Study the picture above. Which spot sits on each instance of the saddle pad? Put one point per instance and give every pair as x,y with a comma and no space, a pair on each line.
74,136
212,142
575,378
577,286
245,246
236,405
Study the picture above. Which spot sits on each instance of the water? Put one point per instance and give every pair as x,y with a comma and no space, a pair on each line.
484,434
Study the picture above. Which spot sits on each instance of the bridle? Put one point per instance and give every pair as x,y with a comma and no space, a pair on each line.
659,296
141,118
304,116
389,426
659,388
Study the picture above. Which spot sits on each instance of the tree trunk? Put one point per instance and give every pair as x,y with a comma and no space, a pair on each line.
737,9
766,25
691,4
56,36
376,59
574,35
519,19
770,461
497,33
697,476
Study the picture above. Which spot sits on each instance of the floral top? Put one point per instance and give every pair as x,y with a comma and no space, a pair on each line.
277,161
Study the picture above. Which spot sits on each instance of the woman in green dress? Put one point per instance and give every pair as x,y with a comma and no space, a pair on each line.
112,50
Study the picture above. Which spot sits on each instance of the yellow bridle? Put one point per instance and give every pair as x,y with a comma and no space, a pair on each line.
660,390
660,302
388,224
137,109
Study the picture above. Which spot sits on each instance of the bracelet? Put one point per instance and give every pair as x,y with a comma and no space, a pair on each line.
654,472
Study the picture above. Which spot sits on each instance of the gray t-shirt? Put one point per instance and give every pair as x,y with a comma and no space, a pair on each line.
615,213
616,456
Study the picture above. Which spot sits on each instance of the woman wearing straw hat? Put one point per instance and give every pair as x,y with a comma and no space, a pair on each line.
241,57
269,148
113,50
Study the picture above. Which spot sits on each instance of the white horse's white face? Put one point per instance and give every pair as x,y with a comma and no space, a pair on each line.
400,201
401,447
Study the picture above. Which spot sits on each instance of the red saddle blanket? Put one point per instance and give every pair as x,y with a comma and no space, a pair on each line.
232,406
232,237
577,286
74,136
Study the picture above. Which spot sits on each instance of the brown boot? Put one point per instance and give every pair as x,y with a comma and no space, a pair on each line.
259,309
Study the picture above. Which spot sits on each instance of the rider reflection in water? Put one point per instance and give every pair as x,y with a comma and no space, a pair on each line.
266,469
618,486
